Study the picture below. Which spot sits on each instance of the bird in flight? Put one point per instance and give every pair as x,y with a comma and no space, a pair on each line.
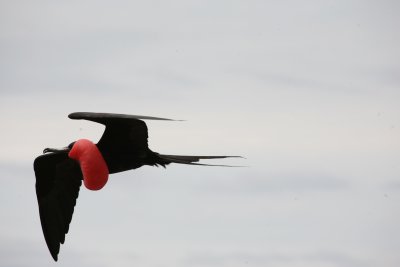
60,172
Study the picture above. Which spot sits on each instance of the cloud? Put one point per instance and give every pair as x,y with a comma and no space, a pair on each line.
295,87
312,259
250,182
392,186
20,252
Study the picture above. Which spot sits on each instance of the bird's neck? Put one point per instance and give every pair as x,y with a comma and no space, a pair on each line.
93,166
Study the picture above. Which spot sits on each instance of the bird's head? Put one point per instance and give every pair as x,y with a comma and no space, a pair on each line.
78,148
63,149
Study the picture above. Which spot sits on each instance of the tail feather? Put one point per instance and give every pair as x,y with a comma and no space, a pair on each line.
192,160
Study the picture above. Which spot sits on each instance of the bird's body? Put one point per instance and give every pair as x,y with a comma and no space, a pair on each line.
59,172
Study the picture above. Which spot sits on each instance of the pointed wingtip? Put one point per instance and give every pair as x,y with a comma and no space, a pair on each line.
101,115
55,257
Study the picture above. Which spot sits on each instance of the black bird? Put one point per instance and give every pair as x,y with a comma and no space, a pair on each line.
59,172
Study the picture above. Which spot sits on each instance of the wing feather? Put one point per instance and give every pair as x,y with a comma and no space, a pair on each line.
58,179
124,141
103,117
122,131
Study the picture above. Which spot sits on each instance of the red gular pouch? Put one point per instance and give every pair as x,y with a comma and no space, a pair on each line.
94,168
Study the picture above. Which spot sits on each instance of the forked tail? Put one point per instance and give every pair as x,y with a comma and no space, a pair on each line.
192,160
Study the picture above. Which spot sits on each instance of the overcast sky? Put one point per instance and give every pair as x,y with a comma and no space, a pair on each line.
307,91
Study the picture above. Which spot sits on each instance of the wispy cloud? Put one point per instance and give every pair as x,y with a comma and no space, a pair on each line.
250,182
320,258
307,91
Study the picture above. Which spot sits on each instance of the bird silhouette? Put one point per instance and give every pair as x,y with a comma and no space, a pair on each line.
60,172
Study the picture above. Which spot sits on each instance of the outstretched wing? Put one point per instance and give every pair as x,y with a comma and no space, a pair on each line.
107,117
128,133
58,179
122,131
123,134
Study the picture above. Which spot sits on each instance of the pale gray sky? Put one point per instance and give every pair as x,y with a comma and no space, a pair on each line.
307,91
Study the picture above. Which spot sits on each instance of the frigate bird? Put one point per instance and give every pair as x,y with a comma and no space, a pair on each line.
60,172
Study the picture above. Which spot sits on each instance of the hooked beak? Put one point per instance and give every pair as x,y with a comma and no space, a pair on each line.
49,150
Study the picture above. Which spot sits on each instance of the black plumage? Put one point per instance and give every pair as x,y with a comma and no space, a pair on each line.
123,146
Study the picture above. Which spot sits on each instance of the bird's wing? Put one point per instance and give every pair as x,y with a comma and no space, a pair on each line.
58,179
122,131
103,117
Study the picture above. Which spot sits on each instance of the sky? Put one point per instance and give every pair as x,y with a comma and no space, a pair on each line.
307,91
